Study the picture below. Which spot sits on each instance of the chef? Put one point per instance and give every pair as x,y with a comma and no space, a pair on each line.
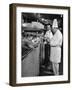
55,44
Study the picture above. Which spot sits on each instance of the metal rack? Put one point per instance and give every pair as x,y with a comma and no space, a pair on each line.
29,32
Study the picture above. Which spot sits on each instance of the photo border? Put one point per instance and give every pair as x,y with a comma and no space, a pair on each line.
12,62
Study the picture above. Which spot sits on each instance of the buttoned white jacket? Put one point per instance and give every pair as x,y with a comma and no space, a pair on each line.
56,43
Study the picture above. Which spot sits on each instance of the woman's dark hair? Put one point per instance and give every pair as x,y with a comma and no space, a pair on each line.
49,24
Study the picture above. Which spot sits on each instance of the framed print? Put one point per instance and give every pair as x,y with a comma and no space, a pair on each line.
39,44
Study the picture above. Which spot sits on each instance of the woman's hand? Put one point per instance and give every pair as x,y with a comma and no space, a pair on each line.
48,40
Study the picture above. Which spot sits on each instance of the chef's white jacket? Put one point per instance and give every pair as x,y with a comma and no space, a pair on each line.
56,43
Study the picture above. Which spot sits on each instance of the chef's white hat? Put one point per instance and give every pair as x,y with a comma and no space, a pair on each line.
55,23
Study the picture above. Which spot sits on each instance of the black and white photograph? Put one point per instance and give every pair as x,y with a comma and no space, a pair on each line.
41,44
